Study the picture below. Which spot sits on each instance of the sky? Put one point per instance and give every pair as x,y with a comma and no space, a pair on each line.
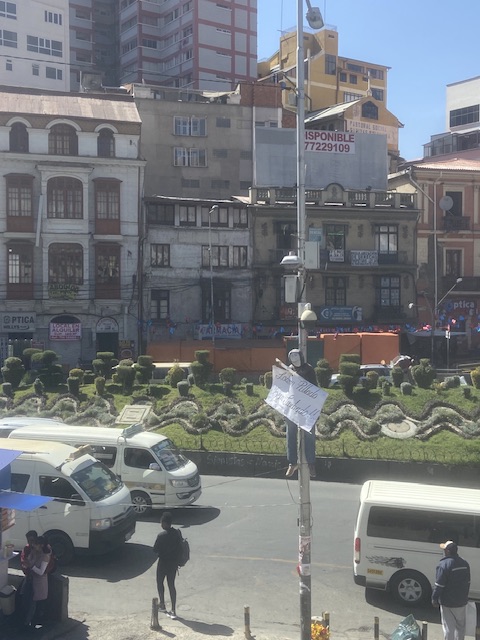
427,43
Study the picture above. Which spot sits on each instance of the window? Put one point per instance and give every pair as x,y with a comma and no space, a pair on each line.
222,302
107,199
370,110
107,277
386,243
240,218
189,157
58,488
219,256
343,76
330,64
8,38
106,454
65,198
18,482
355,67
467,115
220,153
217,218
129,46
106,144
388,294
160,255
159,304
353,79
35,69
62,140
348,96
187,7
375,73
170,17
377,94
190,184
20,272
223,122
138,458
220,184
188,216
457,207
335,242
453,263
18,138
53,73
54,18
8,10
65,263
240,257
19,196
163,214
149,44
8,65
45,46
185,126
335,292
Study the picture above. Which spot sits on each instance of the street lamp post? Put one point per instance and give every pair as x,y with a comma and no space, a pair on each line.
212,311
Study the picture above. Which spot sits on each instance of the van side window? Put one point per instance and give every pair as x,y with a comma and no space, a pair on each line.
107,455
19,482
138,458
56,487
424,526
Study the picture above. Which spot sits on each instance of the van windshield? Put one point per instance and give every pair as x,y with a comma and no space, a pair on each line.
97,481
169,455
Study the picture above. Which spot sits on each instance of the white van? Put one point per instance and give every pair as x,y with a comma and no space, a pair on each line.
151,466
398,531
91,508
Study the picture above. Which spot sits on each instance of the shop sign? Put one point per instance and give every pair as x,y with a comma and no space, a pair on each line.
107,325
364,258
230,331
18,322
340,314
65,331
63,291
126,349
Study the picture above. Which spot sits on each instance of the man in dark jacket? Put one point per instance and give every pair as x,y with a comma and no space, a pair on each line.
306,371
167,547
452,584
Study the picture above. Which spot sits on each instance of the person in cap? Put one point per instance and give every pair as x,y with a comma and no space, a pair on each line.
452,584
306,371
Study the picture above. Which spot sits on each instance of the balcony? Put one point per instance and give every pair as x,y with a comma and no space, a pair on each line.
324,198
456,223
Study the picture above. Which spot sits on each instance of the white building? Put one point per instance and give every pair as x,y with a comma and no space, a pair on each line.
35,44
70,193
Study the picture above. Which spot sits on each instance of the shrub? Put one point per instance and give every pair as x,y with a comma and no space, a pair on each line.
323,371
89,377
227,388
13,371
227,375
27,356
397,376
452,382
191,379
261,379
475,376
100,386
406,388
157,391
386,388
73,385
372,379
350,357
77,373
183,388
200,421
104,363
49,370
144,369
467,393
7,389
201,368
349,372
125,375
38,387
268,379
424,374
175,375
249,388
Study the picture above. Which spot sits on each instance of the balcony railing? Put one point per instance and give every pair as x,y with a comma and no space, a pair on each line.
338,257
456,223
323,198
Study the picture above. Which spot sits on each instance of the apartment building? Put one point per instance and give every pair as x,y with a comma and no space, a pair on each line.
69,221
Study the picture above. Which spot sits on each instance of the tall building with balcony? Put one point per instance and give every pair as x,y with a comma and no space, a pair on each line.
69,221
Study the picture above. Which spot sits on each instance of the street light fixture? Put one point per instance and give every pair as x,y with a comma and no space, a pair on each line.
214,209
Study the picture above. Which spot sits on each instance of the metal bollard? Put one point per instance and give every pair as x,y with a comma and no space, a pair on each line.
376,628
154,624
326,619
246,618
424,631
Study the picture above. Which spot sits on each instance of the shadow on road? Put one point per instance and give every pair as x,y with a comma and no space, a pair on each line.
207,629
383,600
185,516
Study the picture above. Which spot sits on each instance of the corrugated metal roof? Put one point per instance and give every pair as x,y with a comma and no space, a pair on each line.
337,109
69,106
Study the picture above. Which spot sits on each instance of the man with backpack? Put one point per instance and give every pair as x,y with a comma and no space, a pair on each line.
168,547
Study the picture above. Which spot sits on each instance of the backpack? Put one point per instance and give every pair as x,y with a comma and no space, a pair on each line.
183,551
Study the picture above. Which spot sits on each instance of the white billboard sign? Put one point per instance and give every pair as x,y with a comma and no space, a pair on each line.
322,141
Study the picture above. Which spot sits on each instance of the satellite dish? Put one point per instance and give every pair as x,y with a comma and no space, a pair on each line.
446,203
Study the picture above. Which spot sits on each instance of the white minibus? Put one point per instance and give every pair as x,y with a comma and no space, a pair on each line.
150,465
399,528
91,510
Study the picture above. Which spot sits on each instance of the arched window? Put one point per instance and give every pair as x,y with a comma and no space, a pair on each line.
105,144
370,110
65,198
65,264
62,140
107,279
19,138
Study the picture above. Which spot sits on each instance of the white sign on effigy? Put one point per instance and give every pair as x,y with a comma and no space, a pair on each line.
295,398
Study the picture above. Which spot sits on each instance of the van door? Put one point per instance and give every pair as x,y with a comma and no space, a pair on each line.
67,514
146,485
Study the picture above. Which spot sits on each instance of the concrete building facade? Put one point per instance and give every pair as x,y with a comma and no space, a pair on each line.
69,221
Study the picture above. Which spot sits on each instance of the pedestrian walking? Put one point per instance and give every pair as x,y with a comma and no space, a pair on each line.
167,547
452,584
36,564
306,371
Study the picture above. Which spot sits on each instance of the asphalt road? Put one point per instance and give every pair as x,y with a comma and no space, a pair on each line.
244,547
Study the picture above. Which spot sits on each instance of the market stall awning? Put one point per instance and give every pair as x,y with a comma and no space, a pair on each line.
11,499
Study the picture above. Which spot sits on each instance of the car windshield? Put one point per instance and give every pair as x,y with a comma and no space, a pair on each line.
97,481
169,455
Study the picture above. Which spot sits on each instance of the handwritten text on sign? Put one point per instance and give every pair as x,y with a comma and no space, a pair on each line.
329,141
295,398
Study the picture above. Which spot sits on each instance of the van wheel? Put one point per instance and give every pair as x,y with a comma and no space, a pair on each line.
141,503
62,547
410,587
